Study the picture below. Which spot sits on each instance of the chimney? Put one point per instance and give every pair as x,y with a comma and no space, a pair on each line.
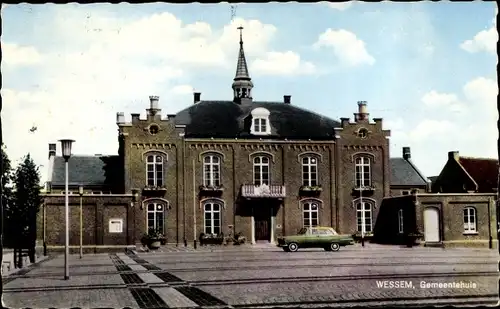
362,114
52,150
196,97
453,155
287,99
153,102
406,153
120,118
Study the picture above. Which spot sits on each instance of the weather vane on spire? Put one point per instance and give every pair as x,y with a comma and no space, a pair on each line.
241,33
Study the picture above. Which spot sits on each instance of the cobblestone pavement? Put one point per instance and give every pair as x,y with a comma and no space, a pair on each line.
260,276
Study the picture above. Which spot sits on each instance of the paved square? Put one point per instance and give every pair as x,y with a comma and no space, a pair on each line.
262,276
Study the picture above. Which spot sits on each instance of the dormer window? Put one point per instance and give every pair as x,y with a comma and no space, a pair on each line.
260,122
260,125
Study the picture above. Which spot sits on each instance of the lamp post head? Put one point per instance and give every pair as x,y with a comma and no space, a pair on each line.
80,190
135,195
66,148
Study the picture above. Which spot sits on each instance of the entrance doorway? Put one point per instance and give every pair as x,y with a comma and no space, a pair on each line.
262,222
431,225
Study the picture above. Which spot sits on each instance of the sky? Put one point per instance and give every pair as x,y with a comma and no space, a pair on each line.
427,68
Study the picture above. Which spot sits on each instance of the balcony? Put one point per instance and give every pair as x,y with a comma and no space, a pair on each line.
263,191
154,190
310,190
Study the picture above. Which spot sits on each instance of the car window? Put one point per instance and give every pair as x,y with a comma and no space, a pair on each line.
314,231
302,231
323,232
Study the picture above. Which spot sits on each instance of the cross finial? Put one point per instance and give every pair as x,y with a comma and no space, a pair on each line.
241,34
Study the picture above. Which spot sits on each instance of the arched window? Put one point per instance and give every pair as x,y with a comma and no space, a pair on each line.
400,221
211,170
261,170
364,217
212,218
154,168
362,175
470,220
309,171
156,217
310,211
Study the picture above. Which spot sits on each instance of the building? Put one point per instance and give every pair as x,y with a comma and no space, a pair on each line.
461,211
406,178
261,168
466,174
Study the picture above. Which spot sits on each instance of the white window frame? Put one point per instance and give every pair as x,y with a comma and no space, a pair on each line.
213,166
308,208
309,171
363,164
470,220
400,221
120,225
212,208
368,216
155,211
260,118
157,165
258,176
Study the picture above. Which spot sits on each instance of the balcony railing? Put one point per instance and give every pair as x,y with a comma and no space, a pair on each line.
263,191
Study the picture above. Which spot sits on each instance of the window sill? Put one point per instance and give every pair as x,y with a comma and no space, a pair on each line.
471,233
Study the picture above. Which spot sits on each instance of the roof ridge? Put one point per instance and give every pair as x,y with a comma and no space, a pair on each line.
426,179
477,158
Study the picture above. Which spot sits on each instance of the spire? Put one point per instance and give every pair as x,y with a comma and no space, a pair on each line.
242,84
241,67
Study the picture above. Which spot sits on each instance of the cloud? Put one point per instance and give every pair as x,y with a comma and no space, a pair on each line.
485,40
346,47
15,55
341,6
277,63
182,89
436,99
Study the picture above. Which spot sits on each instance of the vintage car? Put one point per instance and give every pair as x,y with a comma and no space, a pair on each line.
315,237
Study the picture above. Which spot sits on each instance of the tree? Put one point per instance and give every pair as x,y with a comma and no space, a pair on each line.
22,217
6,190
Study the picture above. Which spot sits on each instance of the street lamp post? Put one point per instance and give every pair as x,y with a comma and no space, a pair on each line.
80,192
135,198
66,152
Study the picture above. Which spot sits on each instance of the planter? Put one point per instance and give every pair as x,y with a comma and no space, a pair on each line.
154,244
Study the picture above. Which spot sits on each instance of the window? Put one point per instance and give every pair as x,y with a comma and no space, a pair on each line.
310,214
469,220
211,171
212,218
362,133
153,129
309,171
400,221
260,125
155,171
362,172
116,226
261,170
156,219
364,217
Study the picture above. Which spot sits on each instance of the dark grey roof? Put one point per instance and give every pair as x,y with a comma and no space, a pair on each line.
87,170
404,173
226,119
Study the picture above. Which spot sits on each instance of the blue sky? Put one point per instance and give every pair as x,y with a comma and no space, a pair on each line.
427,68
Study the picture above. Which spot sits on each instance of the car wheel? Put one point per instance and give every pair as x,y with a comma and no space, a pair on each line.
334,246
293,247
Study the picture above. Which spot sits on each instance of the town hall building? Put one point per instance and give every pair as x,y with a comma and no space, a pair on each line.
260,168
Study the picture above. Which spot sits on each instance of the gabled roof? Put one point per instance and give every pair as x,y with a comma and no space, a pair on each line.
405,173
227,119
483,171
87,170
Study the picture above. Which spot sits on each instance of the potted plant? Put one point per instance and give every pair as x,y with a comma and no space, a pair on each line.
153,239
239,239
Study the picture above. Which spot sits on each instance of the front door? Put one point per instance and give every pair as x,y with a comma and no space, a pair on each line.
431,225
262,221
